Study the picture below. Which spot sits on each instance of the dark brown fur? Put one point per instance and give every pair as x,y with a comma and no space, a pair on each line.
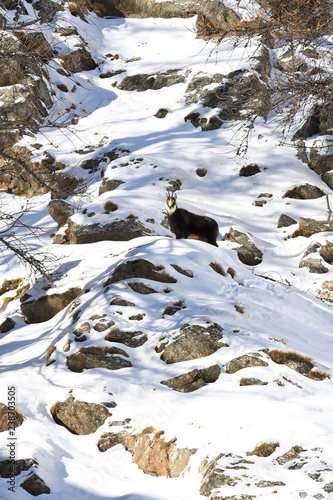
186,225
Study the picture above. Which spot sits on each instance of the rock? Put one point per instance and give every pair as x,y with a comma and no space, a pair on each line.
214,477
304,192
141,288
151,8
314,265
328,487
7,325
118,301
45,307
156,81
140,268
78,60
245,361
155,456
285,221
193,380
171,310
111,358
192,342
13,416
327,177
326,252
215,19
130,339
245,381
161,113
118,230
308,227
79,417
10,468
290,455
248,253
110,439
35,486
109,185
249,170
60,211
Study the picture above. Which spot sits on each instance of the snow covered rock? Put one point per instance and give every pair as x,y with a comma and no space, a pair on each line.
118,230
192,342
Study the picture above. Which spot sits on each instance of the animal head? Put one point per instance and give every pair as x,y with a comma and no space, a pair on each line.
171,202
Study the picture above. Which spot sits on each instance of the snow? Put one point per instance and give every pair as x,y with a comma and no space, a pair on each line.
279,299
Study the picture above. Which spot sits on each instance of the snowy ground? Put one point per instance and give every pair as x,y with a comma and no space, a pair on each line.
282,312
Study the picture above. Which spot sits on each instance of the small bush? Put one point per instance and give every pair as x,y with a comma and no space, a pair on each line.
110,207
264,449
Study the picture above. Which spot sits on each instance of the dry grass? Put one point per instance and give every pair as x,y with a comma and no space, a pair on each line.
110,206
264,449
298,362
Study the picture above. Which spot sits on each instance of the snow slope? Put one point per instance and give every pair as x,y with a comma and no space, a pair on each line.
270,306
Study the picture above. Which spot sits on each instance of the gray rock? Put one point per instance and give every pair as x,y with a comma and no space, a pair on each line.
111,358
118,230
245,361
140,83
192,342
194,380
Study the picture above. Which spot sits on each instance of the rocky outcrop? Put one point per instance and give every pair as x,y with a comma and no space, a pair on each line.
155,456
151,8
10,468
118,230
60,211
192,342
78,60
308,227
245,361
193,380
45,307
130,339
247,252
79,417
140,268
140,83
111,358
304,192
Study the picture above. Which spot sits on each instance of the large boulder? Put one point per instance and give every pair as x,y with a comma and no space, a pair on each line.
192,342
45,307
118,230
79,417
215,19
247,252
111,358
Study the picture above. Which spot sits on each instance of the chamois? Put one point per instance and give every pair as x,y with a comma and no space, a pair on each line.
187,225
